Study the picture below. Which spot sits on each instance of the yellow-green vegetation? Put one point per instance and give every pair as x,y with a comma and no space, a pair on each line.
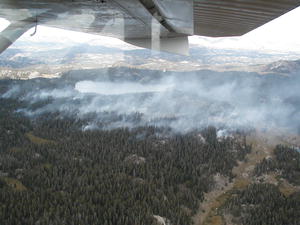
47,165
37,140
14,183
259,151
220,200
214,217
15,150
241,183
286,188
214,220
287,191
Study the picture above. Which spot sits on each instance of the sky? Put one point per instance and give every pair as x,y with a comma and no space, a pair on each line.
279,35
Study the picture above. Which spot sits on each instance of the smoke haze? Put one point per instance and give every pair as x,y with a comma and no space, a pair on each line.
182,101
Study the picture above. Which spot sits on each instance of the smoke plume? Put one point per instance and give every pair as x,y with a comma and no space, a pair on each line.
181,101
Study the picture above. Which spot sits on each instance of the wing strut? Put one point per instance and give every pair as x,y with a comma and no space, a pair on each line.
175,45
13,32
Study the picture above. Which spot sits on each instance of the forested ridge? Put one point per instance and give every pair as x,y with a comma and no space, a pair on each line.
53,172
286,160
270,202
263,203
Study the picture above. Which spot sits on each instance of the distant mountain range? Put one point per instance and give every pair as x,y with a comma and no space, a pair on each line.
283,66
29,60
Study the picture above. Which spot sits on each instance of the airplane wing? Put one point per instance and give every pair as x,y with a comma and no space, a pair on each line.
156,24
236,17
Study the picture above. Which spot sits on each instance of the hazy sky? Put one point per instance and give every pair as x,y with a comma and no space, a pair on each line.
281,34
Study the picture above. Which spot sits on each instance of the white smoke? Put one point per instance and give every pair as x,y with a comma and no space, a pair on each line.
181,102
109,88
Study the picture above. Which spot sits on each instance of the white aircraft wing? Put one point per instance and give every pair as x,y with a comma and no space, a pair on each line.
156,24
236,17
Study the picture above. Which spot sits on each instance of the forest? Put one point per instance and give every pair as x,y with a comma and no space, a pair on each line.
53,172
263,203
286,160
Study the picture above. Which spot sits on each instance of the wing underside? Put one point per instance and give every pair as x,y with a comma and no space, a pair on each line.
236,17
156,24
